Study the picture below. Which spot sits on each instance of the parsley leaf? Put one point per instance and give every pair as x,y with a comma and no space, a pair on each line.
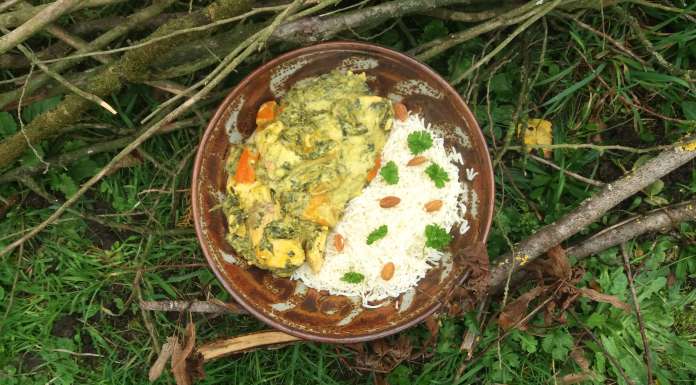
377,234
419,141
437,174
352,277
436,237
390,173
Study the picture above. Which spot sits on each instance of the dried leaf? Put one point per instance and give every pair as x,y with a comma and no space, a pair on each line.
538,131
515,311
475,257
578,355
181,376
158,367
559,265
574,378
188,348
129,160
380,379
599,297
468,343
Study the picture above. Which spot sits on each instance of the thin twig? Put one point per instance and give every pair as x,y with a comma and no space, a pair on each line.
437,46
598,147
611,358
8,4
605,36
44,17
639,317
532,19
233,62
566,171
469,17
64,82
592,209
183,31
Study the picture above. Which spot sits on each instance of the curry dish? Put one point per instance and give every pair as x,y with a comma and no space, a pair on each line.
291,180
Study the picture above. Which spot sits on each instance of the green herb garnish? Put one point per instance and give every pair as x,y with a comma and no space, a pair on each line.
352,277
437,174
377,234
436,237
419,141
390,173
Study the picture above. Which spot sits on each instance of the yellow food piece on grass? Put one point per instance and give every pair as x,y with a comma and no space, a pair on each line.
539,131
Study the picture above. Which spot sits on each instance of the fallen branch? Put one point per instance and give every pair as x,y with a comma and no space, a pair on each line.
133,66
192,306
657,220
36,23
131,22
592,209
18,17
639,317
226,347
228,65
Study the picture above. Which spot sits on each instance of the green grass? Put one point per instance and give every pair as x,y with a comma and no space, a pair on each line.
69,298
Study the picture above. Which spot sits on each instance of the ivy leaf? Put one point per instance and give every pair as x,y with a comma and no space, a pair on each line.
377,234
390,173
419,141
437,174
436,237
352,277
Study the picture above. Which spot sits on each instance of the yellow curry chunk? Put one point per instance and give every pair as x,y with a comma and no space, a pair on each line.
309,160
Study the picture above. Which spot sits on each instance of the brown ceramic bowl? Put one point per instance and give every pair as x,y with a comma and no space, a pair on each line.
289,305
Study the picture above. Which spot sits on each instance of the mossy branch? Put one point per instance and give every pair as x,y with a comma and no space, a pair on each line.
134,66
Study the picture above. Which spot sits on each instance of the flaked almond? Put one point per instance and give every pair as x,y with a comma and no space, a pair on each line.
339,242
416,160
400,111
387,271
433,205
389,201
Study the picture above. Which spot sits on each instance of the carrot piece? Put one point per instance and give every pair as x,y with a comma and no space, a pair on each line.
267,113
373,173
245,171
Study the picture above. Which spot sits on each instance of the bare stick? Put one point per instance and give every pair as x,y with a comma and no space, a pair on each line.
598,147
75,42
567,172
192,306
226,347
593,208
150,131
36,23
631,285
64,82
13,19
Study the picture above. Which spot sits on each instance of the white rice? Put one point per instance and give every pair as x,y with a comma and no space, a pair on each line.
404,244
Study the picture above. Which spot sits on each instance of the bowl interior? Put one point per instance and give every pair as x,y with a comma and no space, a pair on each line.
290,305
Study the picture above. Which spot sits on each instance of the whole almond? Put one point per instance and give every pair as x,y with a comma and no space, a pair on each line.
387,271
400,111
339,242
389,201
433,205
416,160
